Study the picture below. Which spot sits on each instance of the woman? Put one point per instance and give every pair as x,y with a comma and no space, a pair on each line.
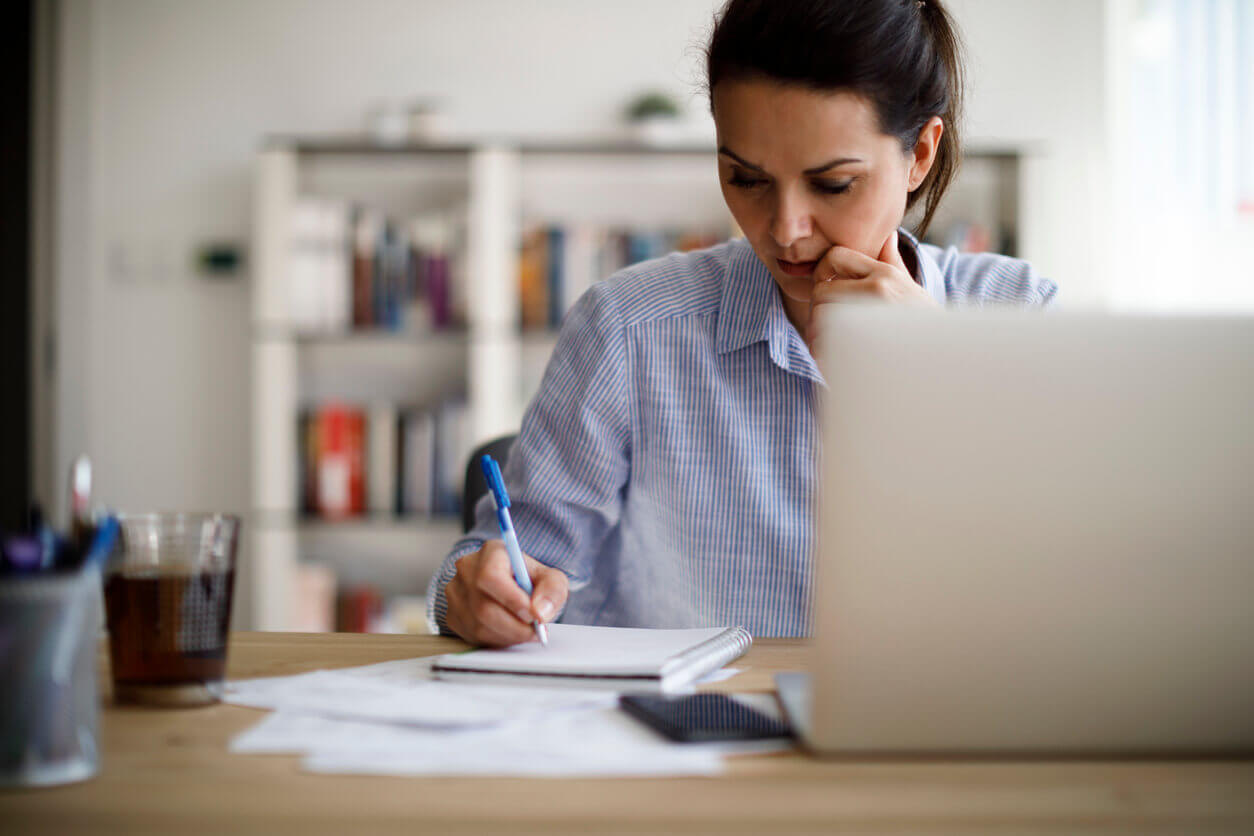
664,474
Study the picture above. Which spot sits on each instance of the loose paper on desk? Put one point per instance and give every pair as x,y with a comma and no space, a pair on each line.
403,693
390,718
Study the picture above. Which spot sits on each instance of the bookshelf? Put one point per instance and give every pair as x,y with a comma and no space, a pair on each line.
306,352
489,197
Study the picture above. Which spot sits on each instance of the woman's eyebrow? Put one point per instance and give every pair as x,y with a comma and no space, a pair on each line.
723,149
825,166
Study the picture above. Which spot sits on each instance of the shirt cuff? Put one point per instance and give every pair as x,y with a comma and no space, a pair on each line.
437,604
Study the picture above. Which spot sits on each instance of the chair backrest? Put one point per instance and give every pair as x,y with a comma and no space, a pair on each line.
476,483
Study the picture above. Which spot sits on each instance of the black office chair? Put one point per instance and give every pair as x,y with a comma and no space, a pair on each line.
476,482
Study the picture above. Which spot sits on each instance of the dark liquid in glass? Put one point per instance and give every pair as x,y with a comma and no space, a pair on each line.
168,629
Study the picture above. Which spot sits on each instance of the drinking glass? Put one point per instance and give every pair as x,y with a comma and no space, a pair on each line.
168,592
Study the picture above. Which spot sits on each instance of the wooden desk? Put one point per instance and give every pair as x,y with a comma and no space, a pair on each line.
168,772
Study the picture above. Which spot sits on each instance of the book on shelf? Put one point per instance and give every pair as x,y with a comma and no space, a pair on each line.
353,267
359,609
382,459
417,462
318,275
314,610
557,263
433,458
333,442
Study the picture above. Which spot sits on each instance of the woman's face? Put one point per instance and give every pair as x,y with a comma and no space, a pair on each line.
803,171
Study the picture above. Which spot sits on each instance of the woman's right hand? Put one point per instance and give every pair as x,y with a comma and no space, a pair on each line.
487,607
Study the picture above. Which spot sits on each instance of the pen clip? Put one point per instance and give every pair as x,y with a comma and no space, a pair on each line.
496,484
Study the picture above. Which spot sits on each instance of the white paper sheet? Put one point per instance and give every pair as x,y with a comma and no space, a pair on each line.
391,719
399,693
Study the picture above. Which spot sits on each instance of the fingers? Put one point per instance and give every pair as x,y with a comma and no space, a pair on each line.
844,263
870,289
847,275
486,605
550,590
481,620
495,580
890,254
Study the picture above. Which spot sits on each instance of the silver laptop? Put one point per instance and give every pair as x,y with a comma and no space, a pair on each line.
1036,535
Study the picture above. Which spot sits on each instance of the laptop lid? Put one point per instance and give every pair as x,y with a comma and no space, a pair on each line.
1036,533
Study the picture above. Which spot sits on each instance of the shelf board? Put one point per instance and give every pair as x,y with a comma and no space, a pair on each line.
368,523
359,336
364,146
383,523
358,145
538,335
396,554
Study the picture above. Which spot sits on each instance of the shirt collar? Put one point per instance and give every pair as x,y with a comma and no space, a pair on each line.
752,312
930,273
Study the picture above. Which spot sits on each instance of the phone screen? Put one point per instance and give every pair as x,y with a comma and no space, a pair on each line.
703,717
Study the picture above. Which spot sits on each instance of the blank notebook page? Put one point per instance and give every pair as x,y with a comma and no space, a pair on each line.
589,651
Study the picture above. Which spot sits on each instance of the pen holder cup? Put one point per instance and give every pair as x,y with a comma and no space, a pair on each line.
49,625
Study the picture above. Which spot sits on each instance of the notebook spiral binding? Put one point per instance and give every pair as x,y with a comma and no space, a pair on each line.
709,655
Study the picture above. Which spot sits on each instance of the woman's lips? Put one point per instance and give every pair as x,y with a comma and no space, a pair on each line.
796,268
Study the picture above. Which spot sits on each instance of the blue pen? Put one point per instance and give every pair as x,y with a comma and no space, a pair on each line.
102,544
501,500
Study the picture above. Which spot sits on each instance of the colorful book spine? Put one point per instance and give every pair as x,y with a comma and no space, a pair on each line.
556,250
317,271
382,460
353,267
381,472
533,303
338,463
359,609
558,263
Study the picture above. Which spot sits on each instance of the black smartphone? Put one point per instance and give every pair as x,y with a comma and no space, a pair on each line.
702,718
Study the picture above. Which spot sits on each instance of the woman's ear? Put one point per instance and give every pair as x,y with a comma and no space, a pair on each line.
924,153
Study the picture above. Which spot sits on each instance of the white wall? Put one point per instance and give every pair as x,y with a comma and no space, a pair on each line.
163,105
170,100
1037,76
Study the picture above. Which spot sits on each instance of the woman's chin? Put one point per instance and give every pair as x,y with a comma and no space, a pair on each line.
796,289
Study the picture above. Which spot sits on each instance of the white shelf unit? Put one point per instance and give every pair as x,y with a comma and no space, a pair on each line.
501,188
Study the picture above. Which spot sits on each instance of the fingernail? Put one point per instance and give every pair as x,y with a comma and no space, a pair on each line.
523,615
544,609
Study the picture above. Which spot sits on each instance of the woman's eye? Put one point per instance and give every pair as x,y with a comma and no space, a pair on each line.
827,187
740,181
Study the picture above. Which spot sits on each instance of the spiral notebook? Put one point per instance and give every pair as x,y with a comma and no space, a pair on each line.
624,659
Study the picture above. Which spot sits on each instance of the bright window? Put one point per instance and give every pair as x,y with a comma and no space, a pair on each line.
1182,99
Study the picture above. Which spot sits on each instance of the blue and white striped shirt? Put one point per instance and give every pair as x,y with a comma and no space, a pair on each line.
667,464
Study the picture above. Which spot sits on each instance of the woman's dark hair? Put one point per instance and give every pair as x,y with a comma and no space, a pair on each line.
904,56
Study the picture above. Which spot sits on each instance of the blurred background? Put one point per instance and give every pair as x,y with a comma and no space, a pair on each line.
292,259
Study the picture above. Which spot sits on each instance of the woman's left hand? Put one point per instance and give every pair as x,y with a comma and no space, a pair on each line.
846,275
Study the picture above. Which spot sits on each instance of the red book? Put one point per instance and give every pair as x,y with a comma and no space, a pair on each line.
365,240
358,608
339,462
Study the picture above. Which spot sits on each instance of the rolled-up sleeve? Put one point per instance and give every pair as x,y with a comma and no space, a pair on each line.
989,279
568,468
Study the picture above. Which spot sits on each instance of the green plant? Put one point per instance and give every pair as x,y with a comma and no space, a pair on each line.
652,106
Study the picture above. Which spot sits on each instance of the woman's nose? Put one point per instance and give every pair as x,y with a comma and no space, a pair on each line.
792,221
